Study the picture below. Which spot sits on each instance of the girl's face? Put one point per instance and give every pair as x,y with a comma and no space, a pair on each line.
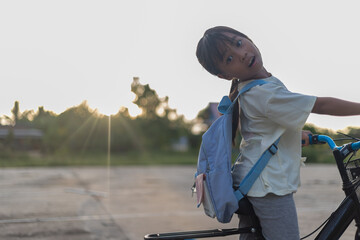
242,60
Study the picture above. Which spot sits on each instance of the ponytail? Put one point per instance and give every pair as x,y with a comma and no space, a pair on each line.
235,117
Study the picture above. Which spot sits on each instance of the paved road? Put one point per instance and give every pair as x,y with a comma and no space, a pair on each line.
126,203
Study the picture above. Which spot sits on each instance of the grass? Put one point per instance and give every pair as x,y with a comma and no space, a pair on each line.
98,159
314,154
318,154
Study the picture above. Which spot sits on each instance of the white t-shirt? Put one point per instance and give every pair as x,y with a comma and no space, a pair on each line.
268,112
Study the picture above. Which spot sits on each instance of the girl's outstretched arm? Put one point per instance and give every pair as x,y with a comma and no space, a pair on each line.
335,107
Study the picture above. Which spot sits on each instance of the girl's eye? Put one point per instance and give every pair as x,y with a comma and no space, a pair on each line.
238,43
229,59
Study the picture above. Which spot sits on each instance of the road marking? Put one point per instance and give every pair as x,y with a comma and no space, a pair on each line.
99,217
82,191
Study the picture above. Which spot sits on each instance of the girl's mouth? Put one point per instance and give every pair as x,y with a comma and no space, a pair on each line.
252,61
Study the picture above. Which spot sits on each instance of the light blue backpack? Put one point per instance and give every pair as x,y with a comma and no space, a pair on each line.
214,185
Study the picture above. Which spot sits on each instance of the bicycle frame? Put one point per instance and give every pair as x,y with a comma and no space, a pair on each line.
348,209
337,223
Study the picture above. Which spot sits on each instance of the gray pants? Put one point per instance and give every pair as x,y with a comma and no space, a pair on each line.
277,215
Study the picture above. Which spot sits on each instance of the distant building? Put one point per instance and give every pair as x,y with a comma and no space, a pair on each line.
214,113
207,116
21,138
182,145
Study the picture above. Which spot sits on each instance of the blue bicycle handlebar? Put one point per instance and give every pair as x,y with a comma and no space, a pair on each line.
355,146
314,139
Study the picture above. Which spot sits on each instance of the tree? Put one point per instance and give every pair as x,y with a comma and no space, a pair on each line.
146,99
78,128
15,113
158,126
18,118
125,133
43,118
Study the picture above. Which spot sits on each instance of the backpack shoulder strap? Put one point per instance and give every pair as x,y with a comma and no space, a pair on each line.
250,85
226,105
255,171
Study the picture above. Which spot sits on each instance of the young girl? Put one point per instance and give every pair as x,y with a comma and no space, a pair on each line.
267,112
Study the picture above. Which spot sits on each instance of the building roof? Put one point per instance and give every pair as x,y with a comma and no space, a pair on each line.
20,132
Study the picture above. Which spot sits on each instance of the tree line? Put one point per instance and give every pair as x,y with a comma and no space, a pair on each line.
81,128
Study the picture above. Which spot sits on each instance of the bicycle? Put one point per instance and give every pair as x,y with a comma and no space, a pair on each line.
338,221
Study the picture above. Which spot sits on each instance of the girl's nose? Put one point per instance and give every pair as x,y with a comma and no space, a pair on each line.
243,57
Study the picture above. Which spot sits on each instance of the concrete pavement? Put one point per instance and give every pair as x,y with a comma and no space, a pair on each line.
126,203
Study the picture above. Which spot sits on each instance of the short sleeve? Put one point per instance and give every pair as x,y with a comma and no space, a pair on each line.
289,109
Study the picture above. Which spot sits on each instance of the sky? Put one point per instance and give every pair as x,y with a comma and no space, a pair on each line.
57,54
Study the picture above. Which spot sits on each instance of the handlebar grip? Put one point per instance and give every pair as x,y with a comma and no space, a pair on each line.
310,140
314,139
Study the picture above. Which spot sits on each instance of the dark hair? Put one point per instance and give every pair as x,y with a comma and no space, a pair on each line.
210,51
235,117
211,47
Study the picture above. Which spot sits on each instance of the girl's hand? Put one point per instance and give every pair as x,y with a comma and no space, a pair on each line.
305,138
